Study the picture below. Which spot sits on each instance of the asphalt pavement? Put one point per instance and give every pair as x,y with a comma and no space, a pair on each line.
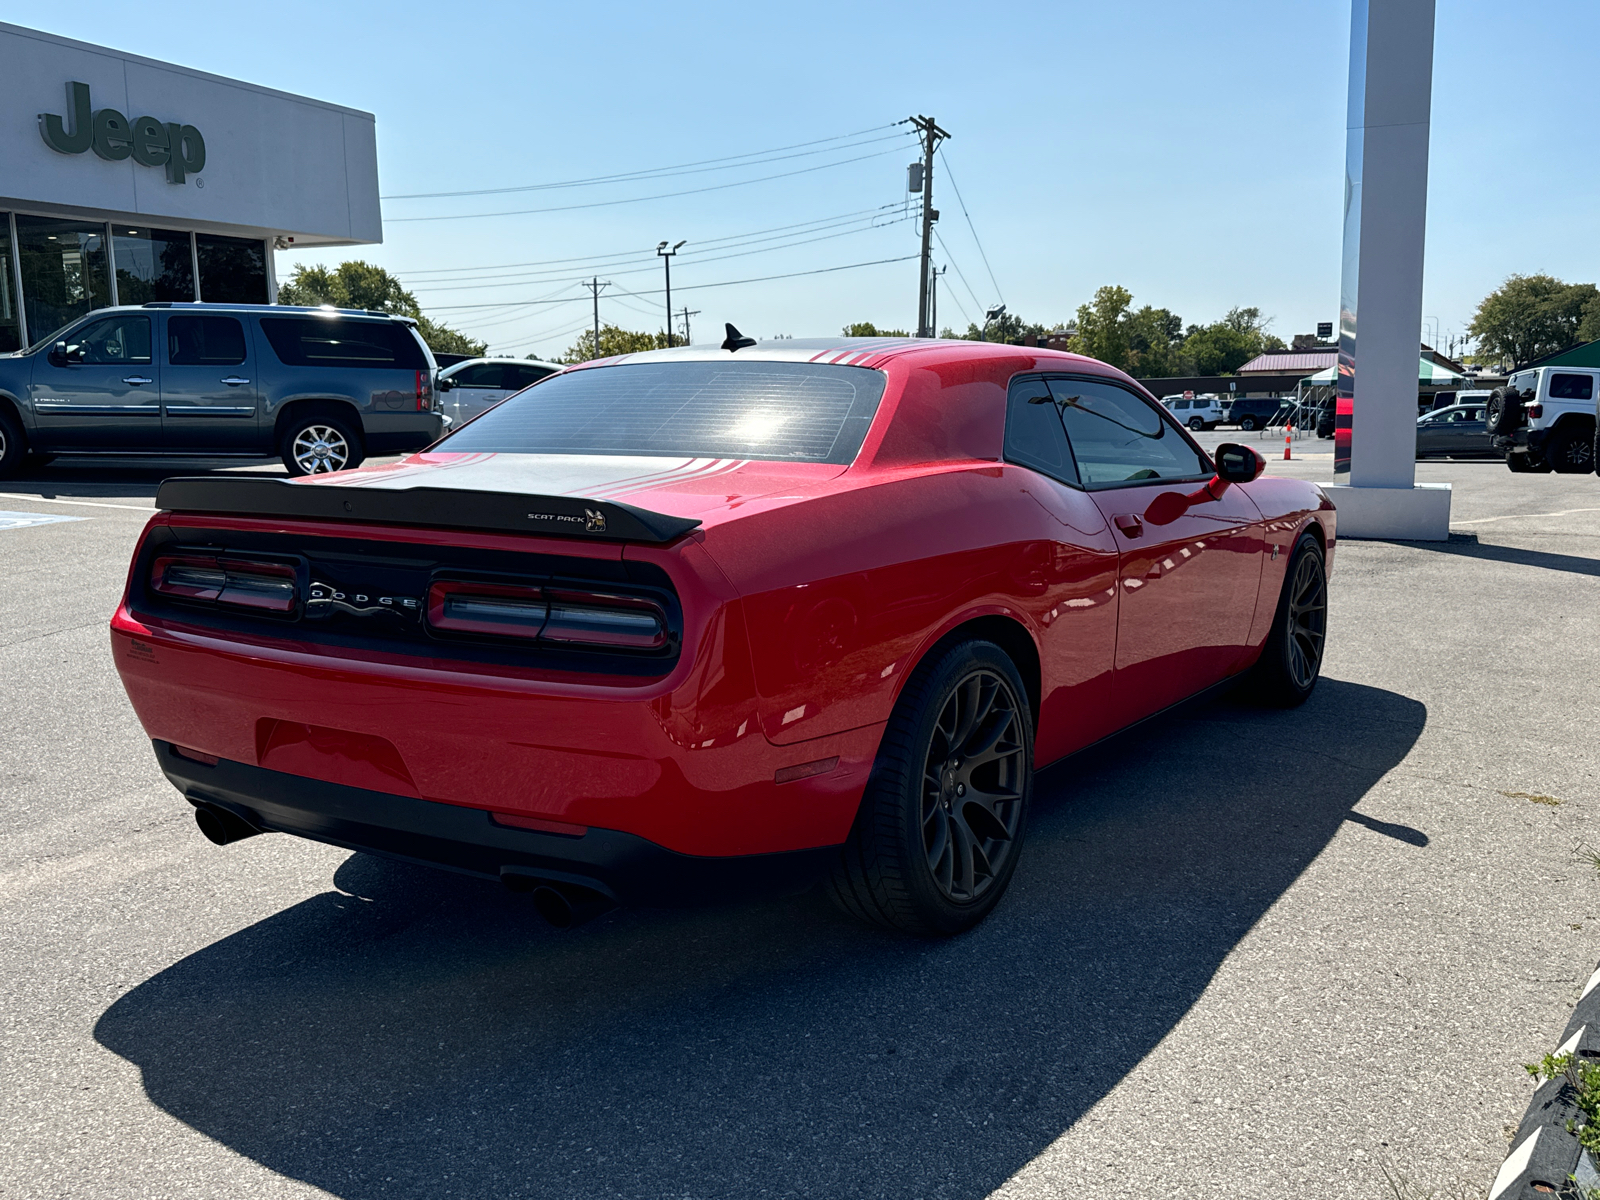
1248,953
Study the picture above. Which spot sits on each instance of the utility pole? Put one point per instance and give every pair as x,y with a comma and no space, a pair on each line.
686,315
595,288
666,261
933,298
932,135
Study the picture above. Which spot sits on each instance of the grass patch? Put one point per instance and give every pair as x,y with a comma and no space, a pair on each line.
1552,801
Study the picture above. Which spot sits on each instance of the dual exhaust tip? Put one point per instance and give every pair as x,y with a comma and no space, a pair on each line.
562,904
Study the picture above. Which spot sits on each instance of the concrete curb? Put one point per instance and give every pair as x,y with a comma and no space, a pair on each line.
1544,1157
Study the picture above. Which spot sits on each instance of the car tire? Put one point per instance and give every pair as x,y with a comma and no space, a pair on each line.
13,444
1248,424
1568,453
317,442
1196,424
1502,412
934,861
1291,661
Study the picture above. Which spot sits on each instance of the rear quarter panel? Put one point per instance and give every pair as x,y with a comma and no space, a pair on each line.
1289,507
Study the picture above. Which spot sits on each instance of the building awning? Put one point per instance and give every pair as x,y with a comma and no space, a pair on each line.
1284,361
1427,372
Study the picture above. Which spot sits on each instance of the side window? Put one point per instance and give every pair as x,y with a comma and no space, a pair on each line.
1181,403
527,375
205,341
479,375
115,340
341,342
1117,437
1571,387
1475,414
1034,437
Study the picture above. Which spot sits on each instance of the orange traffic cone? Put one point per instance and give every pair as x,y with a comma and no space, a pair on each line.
1288,436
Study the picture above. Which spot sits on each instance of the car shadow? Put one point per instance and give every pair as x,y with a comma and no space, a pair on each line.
417,1034
134,478
1467,545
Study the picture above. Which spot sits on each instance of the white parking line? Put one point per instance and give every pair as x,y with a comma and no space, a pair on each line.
21,520
1566,512
85,503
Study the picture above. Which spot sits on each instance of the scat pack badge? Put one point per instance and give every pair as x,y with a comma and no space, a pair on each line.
592,520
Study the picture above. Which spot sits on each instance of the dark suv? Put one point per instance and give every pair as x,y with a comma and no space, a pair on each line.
320,387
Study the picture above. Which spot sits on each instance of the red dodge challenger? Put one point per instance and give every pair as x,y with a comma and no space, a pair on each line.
689,622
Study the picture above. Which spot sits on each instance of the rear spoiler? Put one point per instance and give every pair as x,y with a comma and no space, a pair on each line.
605,520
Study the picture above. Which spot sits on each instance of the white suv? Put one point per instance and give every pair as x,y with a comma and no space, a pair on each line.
1202,412
1544,419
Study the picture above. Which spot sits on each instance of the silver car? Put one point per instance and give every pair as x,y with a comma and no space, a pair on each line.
478,384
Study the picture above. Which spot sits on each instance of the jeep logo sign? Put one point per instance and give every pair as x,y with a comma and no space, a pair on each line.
149,142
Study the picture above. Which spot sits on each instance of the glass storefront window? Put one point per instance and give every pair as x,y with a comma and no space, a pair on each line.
152,264
10,324
64,271
232,270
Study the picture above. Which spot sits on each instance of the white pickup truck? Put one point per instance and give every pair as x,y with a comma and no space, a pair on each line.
1544,419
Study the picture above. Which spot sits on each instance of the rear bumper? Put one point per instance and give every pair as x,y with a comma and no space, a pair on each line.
623,866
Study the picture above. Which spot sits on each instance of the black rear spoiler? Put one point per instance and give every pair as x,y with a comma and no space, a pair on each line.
447,508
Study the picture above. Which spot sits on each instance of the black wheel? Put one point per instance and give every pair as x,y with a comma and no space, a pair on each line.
1503,411
1247,424
13,444
319,442
940,828
1571,453
1196,424
1291,661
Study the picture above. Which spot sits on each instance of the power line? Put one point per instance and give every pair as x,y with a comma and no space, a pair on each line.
731,162
701,286
944,159
645,250
452,286
960,274
717,187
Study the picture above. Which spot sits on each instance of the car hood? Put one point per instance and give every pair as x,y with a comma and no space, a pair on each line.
706,489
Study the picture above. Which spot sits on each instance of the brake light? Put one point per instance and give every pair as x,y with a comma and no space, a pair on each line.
241,583
599,620
1535,411
551,615
499,609
422,391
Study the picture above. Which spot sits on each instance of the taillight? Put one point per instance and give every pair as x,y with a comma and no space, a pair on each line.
1535,411
423,390
547,614
239,582
499,609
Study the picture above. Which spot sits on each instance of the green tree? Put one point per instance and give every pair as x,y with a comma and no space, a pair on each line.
359,284
868,329
614,340
1224,346
1155,343
1530,316
1103,326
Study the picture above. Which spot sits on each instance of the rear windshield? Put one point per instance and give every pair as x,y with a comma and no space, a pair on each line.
789,412
336,342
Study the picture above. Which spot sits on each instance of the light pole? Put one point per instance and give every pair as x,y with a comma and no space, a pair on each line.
666,261
994,314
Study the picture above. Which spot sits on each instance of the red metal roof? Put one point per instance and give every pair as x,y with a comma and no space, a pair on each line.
1288,361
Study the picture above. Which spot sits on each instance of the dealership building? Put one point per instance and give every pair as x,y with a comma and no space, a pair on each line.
124,181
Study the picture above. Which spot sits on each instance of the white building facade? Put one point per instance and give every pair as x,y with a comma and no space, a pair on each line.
124,181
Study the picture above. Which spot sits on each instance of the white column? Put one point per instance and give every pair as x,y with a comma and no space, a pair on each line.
1380,301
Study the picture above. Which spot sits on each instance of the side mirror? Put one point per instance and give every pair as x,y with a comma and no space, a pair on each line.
1238,464
446,385
58,355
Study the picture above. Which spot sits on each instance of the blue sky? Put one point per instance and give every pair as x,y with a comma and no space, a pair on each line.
1191,153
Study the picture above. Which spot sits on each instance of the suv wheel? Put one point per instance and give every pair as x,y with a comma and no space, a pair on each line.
318,443
1571,454
940,829
13,444
1247,424
1291,661
1196,424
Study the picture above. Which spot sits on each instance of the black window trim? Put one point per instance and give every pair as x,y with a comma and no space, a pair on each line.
1089,377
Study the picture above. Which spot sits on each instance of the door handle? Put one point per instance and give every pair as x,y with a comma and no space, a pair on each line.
235,381
1129,523
136,380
